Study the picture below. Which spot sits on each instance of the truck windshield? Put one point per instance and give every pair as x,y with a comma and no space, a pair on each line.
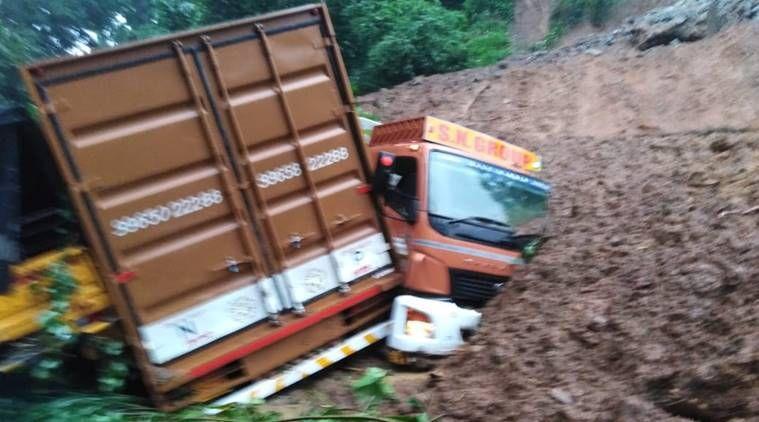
467,190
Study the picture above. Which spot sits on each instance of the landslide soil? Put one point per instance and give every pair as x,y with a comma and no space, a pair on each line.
645,303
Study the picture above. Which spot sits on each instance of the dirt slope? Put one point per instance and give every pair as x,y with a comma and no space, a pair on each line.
645,305
531,20
700,86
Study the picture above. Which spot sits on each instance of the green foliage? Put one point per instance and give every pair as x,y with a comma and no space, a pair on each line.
31,29
569,13
222,10
381,42
490,9
488,43
372,388
13,49
58,337
149,18
391,41
119,408
555,32
384,42
56,333
34,29
114,367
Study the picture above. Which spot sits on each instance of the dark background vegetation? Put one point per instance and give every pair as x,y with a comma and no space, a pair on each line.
384,42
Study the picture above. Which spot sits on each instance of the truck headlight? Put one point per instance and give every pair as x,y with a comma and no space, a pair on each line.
418,324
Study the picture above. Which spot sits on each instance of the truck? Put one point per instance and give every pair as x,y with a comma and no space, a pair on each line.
232,216
464,209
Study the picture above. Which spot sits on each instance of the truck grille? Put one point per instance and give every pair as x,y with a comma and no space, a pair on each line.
470,288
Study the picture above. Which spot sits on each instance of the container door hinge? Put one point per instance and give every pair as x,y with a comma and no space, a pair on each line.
56,106
323,43
87,185
342,110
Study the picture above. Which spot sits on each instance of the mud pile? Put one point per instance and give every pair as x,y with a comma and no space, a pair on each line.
645,303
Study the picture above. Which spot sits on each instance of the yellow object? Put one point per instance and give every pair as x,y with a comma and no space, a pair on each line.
420,329
397,357
324,362
479,144
94,327
21,307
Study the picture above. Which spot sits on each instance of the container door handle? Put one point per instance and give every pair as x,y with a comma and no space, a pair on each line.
341,219
295,240
232,264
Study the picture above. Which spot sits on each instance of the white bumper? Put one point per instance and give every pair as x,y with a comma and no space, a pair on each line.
441,335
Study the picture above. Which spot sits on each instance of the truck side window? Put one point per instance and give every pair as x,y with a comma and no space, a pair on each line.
401,196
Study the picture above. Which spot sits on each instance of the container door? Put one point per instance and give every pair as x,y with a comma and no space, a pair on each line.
289,126
157,194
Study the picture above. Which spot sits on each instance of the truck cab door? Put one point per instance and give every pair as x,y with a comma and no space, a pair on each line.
397,188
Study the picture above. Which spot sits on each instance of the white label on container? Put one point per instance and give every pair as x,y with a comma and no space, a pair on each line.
183,332
311,279
363,257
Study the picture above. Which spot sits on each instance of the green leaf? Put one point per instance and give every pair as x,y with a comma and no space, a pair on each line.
415,403
111,347
45,368
48,319
422,417
372,388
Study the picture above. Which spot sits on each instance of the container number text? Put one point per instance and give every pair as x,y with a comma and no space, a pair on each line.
154,216
288,171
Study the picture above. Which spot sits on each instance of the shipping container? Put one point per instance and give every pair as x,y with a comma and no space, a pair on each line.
219,176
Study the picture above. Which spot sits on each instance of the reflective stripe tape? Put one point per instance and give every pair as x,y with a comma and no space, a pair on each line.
266,387
323,362
470,251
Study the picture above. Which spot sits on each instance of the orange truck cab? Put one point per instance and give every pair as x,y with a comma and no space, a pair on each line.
464,209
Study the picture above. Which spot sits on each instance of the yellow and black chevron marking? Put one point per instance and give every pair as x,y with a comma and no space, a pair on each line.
266,387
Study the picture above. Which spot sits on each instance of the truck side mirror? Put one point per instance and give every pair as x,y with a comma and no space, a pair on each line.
382,173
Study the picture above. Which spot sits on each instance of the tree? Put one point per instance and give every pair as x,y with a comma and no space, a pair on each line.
391,41
32,29
222,10
489,9
149,18
384,42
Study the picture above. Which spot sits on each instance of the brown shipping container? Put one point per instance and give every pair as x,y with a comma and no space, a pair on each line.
219,176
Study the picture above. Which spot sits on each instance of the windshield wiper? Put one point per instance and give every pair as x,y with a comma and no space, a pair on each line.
481,220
